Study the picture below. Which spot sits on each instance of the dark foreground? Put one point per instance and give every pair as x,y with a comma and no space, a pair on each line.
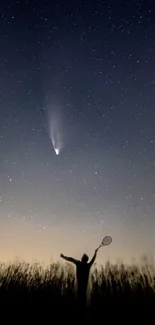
31,294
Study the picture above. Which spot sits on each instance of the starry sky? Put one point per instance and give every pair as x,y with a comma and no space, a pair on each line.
77,135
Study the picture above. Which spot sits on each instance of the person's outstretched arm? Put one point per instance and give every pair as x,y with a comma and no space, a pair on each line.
69,259
93,258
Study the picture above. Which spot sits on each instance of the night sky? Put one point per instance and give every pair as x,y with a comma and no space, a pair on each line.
77,128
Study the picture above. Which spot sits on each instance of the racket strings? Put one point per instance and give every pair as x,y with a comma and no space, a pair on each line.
106,241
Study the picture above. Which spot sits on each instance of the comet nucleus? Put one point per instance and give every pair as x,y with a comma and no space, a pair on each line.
57,151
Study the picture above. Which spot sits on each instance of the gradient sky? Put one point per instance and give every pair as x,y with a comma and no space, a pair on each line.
81,75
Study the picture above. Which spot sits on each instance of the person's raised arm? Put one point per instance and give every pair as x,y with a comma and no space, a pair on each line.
93,258
69,259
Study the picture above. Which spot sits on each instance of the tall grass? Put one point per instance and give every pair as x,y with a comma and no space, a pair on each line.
33,289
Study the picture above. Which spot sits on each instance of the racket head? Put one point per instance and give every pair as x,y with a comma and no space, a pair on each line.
107,240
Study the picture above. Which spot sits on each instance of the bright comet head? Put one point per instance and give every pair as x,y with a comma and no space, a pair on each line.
56,151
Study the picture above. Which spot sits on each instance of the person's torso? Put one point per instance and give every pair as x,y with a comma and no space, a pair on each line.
82,272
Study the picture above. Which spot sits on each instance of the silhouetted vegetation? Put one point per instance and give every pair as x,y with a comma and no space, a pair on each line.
28,291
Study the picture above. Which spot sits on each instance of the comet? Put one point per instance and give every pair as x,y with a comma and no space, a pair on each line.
55,132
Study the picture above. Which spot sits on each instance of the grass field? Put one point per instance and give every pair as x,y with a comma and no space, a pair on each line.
31,291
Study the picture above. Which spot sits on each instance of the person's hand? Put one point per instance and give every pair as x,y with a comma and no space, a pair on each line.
62,255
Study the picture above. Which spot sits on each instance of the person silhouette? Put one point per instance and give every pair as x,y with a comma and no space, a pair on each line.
82,274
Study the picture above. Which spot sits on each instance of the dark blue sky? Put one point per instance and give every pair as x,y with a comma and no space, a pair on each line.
87,71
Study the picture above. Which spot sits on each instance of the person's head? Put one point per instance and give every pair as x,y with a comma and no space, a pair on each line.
84,258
